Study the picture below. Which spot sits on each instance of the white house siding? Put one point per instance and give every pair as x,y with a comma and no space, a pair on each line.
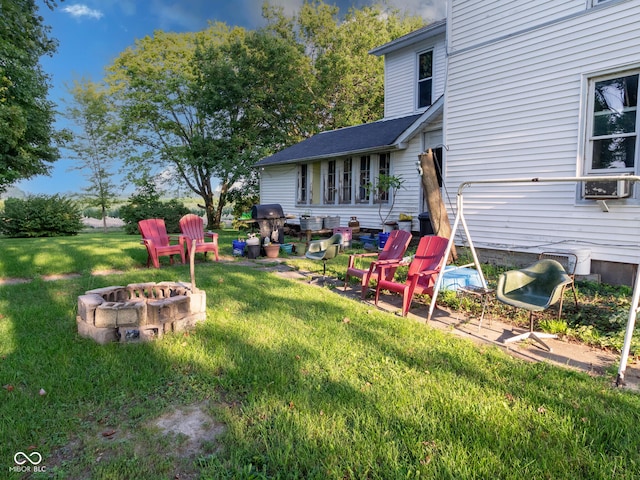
473,22
514,110
401,76
278,185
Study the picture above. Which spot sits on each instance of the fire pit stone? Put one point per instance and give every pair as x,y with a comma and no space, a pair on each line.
139,312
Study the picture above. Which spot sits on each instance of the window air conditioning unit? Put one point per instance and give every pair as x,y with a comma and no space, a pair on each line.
607,189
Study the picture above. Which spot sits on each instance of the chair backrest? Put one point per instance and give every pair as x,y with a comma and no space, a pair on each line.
535,287
154,229
549,275
568,260
328,247
396,245
332,247
429,256
192,226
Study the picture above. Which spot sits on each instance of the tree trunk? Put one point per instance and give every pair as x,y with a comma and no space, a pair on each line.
222,201
437,209
104,219
210,209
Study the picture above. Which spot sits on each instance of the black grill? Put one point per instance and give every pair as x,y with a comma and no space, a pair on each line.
270,219
267,211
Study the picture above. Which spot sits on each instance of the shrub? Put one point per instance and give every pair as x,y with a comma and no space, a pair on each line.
40,216
142,206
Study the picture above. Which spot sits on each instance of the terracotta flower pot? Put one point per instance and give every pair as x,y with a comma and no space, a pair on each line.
272,250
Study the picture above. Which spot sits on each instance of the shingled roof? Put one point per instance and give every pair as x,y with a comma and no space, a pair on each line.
344,141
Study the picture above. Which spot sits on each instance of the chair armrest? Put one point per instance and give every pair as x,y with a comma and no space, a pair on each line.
355,256
369,254
391,262
425,273
148,242
383,265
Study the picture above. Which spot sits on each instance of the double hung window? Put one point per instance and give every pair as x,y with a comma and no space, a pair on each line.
425,78
346,187
303,184
384,169
613,127
330,190
364,179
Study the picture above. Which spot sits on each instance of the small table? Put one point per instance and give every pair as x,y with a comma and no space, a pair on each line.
482,293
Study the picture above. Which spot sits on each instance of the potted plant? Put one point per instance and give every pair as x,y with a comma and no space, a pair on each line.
253,246
239,246
405,222
385,185
271,250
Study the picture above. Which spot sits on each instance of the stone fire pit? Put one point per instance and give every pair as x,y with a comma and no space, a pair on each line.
139,311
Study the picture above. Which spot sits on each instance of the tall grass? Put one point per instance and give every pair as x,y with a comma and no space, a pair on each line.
307,383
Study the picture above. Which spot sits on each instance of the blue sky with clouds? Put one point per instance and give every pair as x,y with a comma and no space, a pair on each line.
92,33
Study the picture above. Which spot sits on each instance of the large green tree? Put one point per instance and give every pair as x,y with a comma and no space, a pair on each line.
254,93
152,83
27,146
348,82
95,142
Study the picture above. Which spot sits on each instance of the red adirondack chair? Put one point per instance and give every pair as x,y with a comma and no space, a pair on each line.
158,243
422,275
192,228
392,253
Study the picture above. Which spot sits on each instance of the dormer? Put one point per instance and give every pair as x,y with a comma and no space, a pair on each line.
414,70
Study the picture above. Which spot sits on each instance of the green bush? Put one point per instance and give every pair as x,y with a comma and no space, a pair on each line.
40,216
141,207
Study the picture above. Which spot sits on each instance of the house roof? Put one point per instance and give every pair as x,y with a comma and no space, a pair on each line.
431,30
379,135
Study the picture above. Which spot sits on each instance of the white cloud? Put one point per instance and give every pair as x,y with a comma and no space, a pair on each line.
430,10
79,11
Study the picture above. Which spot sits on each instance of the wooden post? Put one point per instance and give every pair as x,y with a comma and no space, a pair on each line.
437,209
192,264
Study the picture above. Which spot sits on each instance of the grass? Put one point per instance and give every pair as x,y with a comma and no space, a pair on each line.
307,384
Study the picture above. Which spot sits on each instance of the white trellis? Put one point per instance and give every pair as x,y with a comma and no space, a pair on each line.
460,220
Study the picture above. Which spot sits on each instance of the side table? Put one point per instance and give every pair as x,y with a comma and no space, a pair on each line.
483,294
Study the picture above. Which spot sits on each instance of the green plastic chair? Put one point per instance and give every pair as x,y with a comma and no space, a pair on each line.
535,289
323,250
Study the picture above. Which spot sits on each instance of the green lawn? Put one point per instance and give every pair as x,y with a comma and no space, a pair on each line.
305,382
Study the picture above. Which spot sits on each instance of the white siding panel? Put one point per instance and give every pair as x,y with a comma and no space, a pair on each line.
477,21
514,111
408,199
399,84
278,185
401,76
440,74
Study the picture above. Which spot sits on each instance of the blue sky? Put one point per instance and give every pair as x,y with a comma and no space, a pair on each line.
92,33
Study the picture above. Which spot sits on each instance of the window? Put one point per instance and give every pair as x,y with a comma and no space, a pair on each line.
303,184
613,127
330,192
364,179
425,78
347,176
384,168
